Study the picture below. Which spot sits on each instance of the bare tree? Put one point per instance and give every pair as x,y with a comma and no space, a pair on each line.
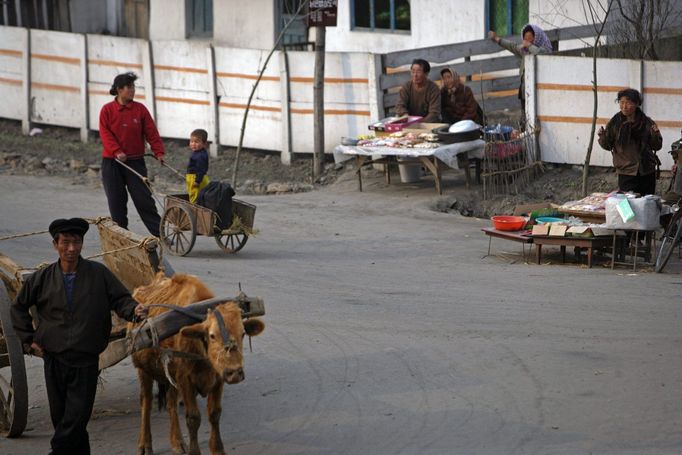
639,24
596,13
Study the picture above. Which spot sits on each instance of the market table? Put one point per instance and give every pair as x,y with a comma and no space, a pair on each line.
581,242
429,157
522,237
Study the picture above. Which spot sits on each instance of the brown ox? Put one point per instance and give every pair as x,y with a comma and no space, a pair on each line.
213,361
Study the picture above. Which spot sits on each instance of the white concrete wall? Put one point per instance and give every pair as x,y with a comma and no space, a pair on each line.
182,86
12,79
56,77
244,24
167,20
564,103
109,56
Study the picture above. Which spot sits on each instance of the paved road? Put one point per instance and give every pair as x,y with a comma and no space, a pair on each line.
388,334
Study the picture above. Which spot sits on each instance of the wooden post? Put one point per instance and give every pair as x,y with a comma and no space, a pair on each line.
214,134
26,80
286,107
85,96
148,71
318,103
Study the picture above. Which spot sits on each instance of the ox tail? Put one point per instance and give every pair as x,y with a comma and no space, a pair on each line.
161,398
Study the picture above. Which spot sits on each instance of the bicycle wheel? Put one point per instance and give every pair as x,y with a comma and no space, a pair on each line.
671,238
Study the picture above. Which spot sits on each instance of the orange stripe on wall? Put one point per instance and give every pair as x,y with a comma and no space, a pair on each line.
182,100
332,112
331,80
59,88
106,93
669,124
562,119
247,76
663,90
56,58
11,53
180,69
579,88
114,63
255,108
11,81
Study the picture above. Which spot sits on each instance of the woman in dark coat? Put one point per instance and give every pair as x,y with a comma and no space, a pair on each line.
633,139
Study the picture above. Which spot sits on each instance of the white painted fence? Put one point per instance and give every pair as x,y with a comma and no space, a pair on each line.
559,94
67,78
66,81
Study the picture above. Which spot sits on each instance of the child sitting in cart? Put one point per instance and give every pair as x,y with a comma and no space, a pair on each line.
196,177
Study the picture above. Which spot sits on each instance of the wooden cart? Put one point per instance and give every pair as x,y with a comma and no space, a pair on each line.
182,221
134,260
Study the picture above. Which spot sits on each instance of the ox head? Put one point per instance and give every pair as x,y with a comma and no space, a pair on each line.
222,334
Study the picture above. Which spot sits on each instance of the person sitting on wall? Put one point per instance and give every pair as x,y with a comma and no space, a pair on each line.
420,96
457,100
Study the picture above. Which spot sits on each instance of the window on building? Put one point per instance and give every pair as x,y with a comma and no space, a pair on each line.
296,36
507,17
380,14
136,14
42,14
199,18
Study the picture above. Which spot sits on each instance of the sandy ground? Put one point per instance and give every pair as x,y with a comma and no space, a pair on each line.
388,333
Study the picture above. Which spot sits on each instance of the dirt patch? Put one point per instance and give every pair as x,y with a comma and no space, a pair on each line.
59,151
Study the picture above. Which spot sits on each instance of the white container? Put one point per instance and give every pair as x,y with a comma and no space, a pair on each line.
410,171
647,211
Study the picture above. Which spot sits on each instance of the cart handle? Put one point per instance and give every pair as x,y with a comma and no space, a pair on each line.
163,163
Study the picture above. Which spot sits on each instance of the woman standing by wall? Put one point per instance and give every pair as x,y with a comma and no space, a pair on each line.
633,139
124,126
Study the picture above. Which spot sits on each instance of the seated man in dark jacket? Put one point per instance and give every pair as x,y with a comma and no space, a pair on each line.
457,100
74,298
420,95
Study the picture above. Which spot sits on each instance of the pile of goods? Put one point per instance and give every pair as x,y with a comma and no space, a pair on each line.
401,139
595,202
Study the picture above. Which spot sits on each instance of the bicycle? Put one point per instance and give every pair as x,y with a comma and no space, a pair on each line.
671,238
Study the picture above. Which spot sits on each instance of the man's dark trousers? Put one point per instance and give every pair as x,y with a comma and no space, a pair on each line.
71,394
115,179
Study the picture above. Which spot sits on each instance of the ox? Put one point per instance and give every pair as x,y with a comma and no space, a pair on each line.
209,360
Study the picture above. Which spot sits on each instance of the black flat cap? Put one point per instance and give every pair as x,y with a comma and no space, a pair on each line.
73,226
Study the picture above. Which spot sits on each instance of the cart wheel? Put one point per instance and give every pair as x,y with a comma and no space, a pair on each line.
231,243
13,385
178,230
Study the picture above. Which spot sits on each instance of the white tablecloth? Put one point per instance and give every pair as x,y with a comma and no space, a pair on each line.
447,153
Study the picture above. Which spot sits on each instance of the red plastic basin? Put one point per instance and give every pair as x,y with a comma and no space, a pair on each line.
508,223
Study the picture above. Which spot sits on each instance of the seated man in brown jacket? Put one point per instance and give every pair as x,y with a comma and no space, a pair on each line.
420,96
457,100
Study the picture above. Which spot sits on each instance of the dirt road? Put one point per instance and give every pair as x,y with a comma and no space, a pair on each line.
388,334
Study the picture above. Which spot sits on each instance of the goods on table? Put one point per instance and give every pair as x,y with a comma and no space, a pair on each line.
595,202
402,140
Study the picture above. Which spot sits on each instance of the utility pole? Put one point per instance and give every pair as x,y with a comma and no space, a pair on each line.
321,14
318,103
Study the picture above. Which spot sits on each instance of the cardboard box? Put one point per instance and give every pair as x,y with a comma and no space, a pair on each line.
419,128
557,230
540,229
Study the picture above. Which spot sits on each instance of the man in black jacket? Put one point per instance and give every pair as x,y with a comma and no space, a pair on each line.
74,298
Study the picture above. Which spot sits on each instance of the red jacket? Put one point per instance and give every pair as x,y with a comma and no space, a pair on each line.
124,128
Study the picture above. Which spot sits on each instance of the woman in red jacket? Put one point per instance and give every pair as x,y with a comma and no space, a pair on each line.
124,126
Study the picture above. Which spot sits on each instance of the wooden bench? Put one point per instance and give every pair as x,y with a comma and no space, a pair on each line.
515,236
